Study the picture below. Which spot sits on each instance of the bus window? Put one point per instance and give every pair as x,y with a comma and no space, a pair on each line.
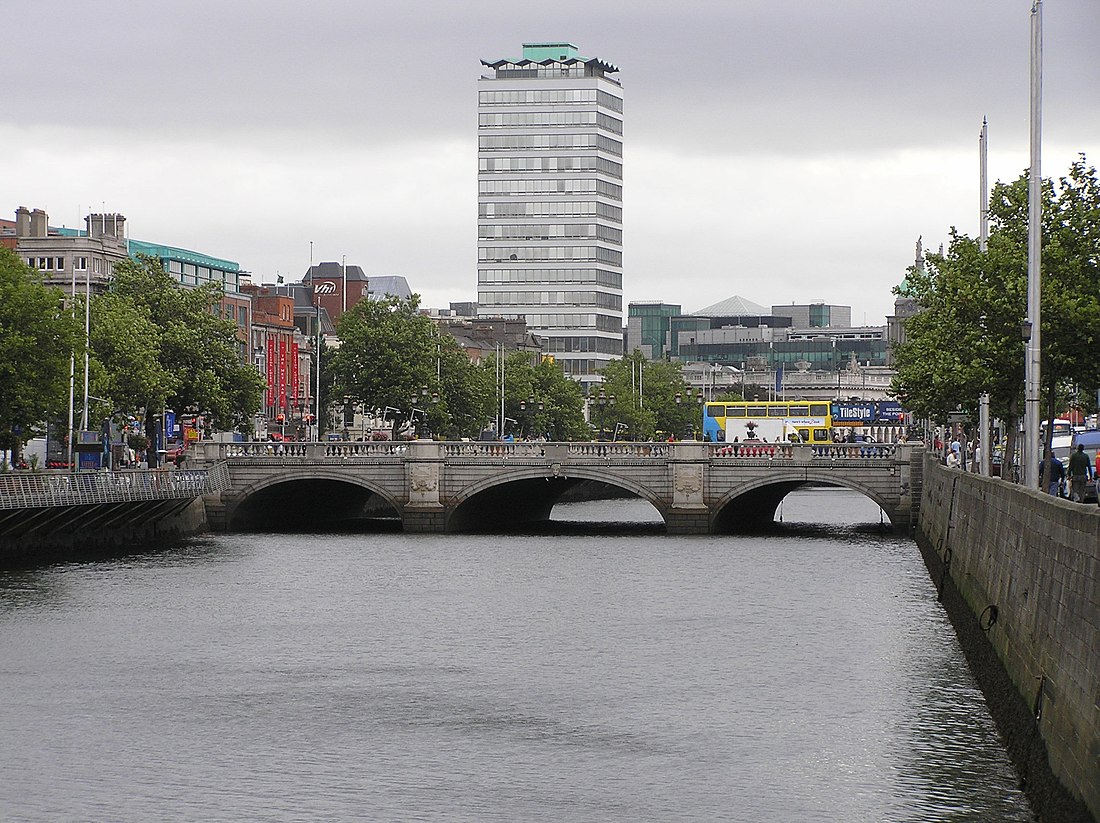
777,410
819,409
821,435
804,435
735,411
716,411
800,411
757,411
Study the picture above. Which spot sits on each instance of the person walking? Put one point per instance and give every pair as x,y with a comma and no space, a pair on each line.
1080,468
953,460
1057,474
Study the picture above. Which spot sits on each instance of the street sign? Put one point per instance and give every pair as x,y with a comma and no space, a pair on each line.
958,417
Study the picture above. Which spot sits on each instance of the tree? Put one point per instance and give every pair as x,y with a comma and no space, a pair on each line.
39,339
967,340
465,392
391,356
646,397
178,352
540,398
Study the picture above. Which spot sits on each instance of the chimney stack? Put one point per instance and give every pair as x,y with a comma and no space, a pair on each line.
39,223
22,222
106,225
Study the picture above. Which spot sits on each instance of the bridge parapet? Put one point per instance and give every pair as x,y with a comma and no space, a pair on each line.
805,453
209,452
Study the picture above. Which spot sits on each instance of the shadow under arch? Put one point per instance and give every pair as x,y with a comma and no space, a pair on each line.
752,507
300,503
524,497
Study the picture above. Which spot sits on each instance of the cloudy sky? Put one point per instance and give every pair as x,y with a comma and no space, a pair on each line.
783,150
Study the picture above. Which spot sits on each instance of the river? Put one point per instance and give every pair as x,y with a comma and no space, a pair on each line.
588,672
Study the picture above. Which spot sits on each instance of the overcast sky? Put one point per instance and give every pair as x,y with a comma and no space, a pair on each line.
782,150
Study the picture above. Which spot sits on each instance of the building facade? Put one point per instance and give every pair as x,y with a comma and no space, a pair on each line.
67,256
648,325
550,176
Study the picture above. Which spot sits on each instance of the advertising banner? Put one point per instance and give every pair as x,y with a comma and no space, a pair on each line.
281,392
294,376
853,413
271,366
890,411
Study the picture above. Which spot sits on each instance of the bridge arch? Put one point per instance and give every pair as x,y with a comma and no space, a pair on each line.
314,497
528,494
753,504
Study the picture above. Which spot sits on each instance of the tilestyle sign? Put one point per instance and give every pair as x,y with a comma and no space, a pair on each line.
864,414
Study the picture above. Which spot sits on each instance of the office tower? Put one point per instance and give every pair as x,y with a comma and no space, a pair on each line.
550,201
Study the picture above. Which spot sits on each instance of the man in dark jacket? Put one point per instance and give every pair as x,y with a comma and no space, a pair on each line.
1057,475
1080,467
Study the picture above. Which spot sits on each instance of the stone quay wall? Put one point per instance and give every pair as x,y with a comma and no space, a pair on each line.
1019,573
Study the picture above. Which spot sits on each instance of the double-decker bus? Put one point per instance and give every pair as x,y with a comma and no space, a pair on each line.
793,421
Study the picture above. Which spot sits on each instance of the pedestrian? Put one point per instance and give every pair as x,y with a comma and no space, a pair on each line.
1080,468
976,457
1057,474
953,460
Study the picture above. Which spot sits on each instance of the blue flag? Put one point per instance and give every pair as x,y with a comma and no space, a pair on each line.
778,380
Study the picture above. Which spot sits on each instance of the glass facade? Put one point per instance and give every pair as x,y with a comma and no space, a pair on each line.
550,202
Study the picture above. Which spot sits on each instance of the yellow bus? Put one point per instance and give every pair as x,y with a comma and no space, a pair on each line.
782,421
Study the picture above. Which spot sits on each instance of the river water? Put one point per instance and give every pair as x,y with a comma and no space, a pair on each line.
584,673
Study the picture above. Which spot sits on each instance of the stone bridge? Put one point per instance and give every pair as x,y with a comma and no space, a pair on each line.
698,488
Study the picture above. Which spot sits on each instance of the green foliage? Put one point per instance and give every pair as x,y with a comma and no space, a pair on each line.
39,339
967,339
540,398
392,356
647,404
158,344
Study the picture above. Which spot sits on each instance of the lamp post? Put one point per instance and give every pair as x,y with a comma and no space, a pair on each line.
530,409
1032,377
603,401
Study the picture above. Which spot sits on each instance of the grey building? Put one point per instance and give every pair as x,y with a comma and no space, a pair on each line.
550,174
63,256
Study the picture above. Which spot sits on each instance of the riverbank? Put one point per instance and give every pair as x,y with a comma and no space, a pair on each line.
1019,575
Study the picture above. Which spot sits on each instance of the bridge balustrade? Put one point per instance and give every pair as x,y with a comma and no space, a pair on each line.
803,452
209,452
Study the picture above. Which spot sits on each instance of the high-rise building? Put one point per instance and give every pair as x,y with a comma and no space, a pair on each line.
550,177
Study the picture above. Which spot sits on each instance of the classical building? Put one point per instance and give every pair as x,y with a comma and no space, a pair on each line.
66,256
550,173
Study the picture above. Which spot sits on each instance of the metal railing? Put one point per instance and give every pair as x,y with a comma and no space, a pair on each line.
20,490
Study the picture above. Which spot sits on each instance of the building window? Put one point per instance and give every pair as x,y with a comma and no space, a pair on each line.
80,263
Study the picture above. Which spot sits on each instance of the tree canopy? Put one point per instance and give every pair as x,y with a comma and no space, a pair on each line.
540,398
646,395
40,338
967,339
391,356
155,344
